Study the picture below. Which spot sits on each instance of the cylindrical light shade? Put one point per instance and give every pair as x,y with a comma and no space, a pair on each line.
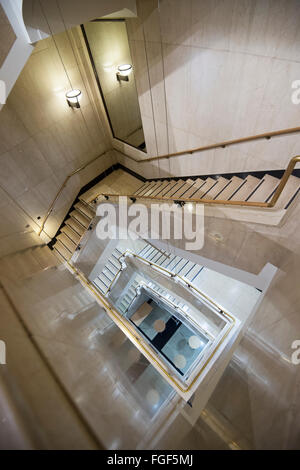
73,98
125,69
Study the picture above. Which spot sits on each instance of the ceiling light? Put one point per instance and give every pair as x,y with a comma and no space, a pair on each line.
123,72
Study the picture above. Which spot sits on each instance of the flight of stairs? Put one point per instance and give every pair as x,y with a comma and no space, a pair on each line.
235,188
72,231
130,294
250,188
175,264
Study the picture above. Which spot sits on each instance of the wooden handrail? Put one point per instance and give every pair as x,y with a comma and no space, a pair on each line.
226,143
272,202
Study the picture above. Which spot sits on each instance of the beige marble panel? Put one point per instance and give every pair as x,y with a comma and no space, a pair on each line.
42,140
38,401
227,69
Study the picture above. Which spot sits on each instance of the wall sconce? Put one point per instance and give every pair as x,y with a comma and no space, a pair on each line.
123,72
73,98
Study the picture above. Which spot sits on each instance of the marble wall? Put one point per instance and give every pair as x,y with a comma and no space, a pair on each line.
42,139
214,71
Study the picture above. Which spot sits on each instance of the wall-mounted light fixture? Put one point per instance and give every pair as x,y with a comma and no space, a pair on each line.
123,72
73,98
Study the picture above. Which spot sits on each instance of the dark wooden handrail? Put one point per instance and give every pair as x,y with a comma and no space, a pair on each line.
226,143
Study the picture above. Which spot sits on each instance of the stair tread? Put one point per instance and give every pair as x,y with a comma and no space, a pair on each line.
263,192
82,219
100,285
235,183
290,189
197,184
209,183
214,191
162,186
65,240
62,250
184,188
71,234
152,188
147,188
174,188
193,273
167,188
246,189
58,255
79,229
85,209
142,187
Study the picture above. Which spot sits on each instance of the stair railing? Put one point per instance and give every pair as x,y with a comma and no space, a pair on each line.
274,199
52,205
120,320
183,200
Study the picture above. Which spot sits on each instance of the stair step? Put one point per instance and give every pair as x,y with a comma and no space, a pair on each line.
174,263
167,188
263,192
159,258
85,209
184,188
153,188
192,272
71,234
142,188
209,183
228,191
58,255
250,183
147,188
154,255
145,251
82,219
288,193
179,266
190,192
159,190
174,188
151,254
217,188
76,226
108,274
63,251
168,261
184,268
65,240
100,285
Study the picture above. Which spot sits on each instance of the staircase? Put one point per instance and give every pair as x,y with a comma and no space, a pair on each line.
256,187
175,264
78,221
234,188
